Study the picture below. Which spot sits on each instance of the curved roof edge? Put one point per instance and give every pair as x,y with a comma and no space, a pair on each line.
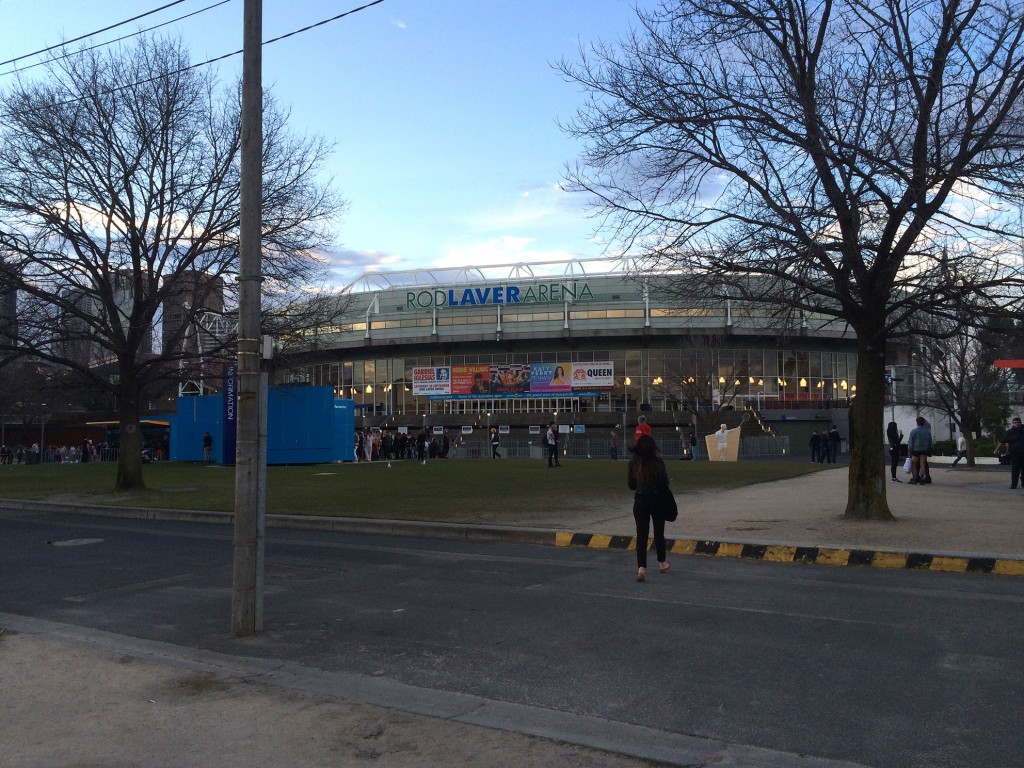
534,270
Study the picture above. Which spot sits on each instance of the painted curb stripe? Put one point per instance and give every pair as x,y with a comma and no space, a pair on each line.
809,555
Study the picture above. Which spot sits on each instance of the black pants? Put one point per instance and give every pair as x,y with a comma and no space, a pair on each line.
894,460
494,451
645,510
1016,461
553,455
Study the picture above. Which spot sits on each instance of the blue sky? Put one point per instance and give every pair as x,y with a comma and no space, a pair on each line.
444,113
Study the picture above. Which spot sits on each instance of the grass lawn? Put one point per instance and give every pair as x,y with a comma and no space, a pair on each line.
466,491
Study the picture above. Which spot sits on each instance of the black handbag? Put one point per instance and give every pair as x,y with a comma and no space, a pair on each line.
669,508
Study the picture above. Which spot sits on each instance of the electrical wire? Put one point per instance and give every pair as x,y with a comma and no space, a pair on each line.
98,31
203,63
115,40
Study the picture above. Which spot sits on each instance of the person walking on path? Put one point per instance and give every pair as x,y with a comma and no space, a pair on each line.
895,438
1013,443
961,450
815,444
834,441
648,479
207,448
551,440
494,443
920,445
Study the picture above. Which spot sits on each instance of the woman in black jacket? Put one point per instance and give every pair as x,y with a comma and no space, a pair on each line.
648,480
894,437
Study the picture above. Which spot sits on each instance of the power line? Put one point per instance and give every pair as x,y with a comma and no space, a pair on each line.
115,40
214,60
98,31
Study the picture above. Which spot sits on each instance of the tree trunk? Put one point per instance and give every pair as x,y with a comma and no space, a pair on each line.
866,495
129,461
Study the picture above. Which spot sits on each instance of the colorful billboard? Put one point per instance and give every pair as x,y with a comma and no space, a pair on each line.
513,380
432,381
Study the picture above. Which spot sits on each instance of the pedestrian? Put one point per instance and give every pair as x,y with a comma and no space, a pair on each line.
642,428
367,445
895,438
613,445
1013,443
961,450
834,441
422,446
551,440
815,444
920,444
823,454
207,447
927,464
648,479
494,443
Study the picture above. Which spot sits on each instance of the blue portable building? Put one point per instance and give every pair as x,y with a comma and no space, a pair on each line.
305,425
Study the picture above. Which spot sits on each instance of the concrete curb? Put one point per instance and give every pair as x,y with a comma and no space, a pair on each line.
834,556
950,562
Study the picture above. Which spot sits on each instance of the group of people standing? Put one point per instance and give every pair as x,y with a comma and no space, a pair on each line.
919,448
825,445
385,445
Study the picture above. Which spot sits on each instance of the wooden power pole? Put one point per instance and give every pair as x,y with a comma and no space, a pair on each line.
250,467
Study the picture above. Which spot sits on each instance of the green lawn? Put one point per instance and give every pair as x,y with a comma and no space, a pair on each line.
478,491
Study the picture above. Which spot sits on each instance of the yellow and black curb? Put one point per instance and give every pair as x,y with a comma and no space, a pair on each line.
808,555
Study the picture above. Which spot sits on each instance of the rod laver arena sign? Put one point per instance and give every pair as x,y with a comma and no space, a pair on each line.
539,293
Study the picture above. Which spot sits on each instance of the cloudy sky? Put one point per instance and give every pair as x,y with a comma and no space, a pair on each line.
444,112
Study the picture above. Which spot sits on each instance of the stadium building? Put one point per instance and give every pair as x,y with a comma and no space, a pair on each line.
589,344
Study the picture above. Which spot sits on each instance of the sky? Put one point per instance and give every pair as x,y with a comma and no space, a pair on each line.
444,113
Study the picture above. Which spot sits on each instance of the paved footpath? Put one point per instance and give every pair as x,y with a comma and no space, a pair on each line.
78,697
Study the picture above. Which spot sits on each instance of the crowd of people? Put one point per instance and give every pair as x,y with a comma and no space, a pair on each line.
53,454
385,445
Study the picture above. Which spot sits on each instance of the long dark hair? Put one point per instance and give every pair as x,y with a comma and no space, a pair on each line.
892,432
646,464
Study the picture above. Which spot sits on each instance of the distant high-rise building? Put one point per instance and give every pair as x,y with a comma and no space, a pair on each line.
190,294
80,345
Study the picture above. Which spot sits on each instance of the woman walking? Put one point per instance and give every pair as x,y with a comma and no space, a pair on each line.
894,437
648,479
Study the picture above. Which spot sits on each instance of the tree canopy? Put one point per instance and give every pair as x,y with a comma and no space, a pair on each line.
859,159
119,191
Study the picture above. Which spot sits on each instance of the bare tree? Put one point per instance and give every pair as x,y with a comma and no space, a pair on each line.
964,382
847,160
119,185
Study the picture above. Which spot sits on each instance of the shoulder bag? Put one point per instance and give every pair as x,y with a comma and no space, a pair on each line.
669,509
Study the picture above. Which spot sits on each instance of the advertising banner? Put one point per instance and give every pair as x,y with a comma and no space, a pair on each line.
471,380
591,375
510,379
432,381
531,380
550,377
229,423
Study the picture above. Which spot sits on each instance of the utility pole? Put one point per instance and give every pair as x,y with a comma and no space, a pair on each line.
250,468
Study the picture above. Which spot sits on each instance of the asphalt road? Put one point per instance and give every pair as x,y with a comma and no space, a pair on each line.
881,668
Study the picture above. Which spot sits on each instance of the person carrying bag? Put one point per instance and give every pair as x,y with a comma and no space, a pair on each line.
652,501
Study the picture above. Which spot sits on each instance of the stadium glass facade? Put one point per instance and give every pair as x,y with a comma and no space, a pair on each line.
653,353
